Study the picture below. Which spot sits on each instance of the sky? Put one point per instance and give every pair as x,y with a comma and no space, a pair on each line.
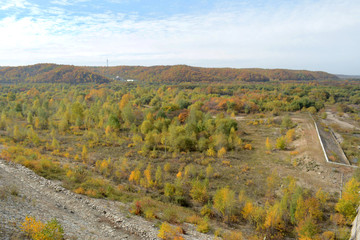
319,35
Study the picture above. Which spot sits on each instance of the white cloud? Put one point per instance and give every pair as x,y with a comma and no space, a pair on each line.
67,2
6,4
320,35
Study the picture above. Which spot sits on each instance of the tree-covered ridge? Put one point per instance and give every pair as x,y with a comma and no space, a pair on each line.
53,73
183,73
50,73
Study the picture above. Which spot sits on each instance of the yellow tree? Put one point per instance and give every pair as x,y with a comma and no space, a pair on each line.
210,152
247,210
124,100
273,220
290,135
268,144
221,152
147,174
350,200
84,154
168,232
209,171
198,191
158,176
135,176
281,143
17,134
224,201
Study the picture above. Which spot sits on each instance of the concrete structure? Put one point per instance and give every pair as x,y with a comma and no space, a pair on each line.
355,231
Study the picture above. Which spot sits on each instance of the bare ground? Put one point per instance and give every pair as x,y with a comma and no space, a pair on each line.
342,122
312,170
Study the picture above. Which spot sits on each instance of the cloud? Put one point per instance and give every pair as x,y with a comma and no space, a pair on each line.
6,4
67,2
316,35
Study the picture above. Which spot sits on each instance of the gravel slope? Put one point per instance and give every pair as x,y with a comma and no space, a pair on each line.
23,193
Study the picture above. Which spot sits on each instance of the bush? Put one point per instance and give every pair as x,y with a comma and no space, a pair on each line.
234,235
328,235
287,122
169,232
281,143
203,226
343,233
37,230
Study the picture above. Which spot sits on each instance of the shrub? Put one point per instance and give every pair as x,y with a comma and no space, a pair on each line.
343,233
194,219
338,219
169,232
233,235
137,209
290,135
203,226
248,146
294,153
221,152
207,211
281,143
37,230
328,235
224,201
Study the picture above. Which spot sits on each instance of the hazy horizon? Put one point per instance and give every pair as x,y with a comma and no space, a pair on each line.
24,65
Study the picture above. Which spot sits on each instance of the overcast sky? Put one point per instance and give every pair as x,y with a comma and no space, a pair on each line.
295,34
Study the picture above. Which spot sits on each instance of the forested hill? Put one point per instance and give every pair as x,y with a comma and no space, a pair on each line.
183,73
50,73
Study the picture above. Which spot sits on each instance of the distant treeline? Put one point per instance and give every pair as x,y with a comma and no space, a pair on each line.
183,73
52,73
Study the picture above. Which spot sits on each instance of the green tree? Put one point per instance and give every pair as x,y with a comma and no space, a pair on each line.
128,115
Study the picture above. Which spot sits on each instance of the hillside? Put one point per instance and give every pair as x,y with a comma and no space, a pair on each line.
183,73
49,73
52,73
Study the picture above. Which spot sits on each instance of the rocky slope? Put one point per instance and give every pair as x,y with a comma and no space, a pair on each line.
23,193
